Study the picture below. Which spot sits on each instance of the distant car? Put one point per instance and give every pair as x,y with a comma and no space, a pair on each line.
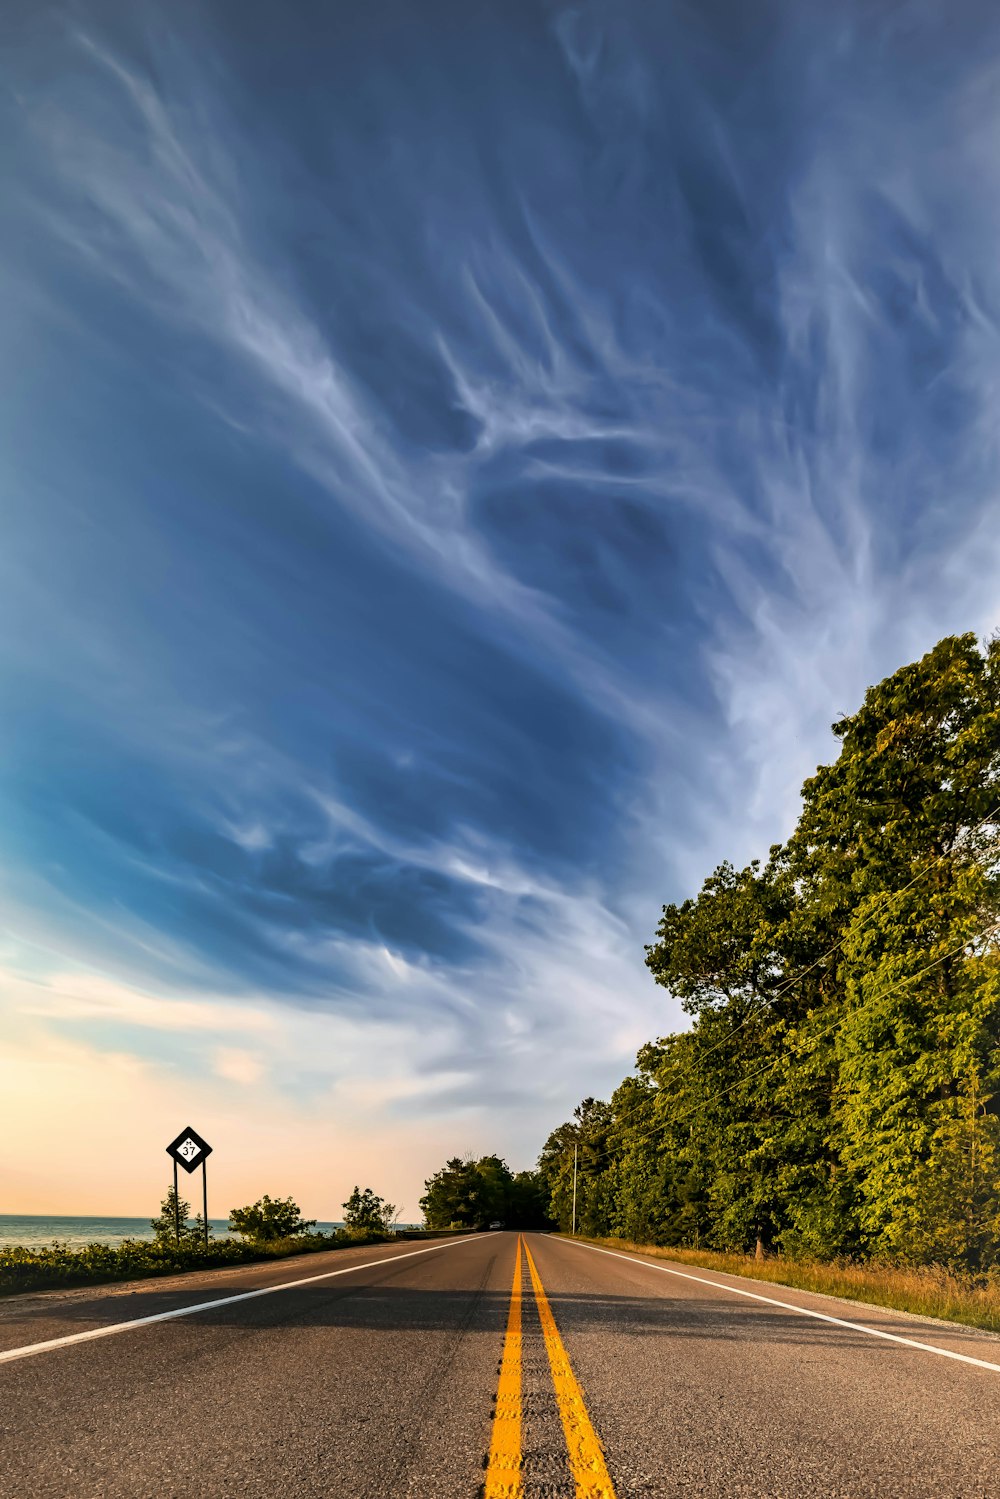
496,1225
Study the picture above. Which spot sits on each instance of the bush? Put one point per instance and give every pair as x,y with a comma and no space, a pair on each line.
269,1218
23,1269
58,1265
367,1211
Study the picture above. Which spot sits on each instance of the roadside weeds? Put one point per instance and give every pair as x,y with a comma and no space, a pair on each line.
57,1266
924,1291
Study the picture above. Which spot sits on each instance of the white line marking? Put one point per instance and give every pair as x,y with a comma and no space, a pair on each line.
28,1350
789,1306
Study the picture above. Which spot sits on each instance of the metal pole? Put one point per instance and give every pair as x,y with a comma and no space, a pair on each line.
204,1198
575,1148
177,1210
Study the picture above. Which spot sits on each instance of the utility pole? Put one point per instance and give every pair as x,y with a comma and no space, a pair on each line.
575,1149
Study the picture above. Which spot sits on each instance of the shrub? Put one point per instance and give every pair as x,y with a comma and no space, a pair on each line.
57,1265
269,1218
367,1211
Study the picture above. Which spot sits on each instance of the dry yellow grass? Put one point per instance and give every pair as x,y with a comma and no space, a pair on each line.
930,1291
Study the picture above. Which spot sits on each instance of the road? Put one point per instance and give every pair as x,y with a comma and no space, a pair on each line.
536,1368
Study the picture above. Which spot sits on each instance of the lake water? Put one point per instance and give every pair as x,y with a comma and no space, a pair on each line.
16,1228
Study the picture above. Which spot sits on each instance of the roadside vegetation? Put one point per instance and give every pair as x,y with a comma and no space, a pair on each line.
271,1228
366,1213
834,1108
926,1290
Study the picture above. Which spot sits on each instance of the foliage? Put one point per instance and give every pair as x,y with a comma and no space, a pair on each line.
174,1210
364,1210
23,1269
838,1093
475,1193
527,1202
269,1218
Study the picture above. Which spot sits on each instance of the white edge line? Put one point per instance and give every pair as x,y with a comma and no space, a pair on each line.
789,1306
28,1350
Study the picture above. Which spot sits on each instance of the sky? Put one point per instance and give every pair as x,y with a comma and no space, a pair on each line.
457,460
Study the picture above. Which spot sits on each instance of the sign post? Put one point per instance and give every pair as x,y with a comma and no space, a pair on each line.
190,1151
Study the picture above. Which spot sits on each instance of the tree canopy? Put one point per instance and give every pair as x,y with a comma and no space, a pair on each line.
838,1091
472,1194
269,1218
364,1210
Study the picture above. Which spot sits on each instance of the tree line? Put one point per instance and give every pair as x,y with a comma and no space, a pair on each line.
838,1090
476,1194
270,1220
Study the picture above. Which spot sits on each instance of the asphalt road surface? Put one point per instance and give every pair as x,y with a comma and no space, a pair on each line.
495,1365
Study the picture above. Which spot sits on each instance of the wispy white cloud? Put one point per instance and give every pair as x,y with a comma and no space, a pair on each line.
88,997
717,380
168,219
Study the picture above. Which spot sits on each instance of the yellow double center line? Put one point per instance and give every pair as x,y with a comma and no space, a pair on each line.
503,1474
586,1456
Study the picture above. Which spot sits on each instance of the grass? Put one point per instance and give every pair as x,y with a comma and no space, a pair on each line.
928,1291
57,1265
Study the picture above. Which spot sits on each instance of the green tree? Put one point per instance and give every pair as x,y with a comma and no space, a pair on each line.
164,1225
474,1193
364,1210
839,1089
469,1193
587,1134
892,834
269,1218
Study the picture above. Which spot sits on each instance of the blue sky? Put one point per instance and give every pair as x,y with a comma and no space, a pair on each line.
457,460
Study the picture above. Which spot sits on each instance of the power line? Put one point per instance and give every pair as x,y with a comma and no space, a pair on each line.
816,1035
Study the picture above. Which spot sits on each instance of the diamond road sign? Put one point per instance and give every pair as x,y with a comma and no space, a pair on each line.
189,1149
